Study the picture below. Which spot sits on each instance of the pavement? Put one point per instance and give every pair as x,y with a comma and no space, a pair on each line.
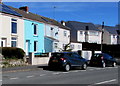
23,68
31,67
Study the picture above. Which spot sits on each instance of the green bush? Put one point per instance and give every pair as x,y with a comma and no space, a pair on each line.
12,52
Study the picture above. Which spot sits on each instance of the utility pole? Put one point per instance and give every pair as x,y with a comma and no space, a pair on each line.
102,36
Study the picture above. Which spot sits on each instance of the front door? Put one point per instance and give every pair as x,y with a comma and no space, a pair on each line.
3,43
27,47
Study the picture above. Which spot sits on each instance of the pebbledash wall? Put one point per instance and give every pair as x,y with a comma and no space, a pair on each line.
6,36
34,38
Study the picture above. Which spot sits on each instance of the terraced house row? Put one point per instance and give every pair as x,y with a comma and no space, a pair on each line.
39,34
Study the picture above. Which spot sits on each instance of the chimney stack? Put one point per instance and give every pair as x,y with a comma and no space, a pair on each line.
26,9
63,23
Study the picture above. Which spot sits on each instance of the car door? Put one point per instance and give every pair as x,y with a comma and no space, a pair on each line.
76,59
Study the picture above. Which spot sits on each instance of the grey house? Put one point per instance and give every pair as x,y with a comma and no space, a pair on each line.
110,35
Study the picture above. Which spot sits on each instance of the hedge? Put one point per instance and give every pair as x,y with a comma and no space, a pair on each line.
12,52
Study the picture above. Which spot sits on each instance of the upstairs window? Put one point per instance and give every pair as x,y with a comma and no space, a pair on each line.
35,29
65,33
81,32
14,26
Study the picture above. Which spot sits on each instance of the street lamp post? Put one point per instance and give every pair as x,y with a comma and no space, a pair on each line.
102,36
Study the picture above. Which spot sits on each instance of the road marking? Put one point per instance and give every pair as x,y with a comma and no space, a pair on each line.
56,73
29,76
74,71
65,72
106,81
42,74
14,78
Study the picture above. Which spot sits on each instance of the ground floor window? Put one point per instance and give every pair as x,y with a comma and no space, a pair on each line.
13,42
35,45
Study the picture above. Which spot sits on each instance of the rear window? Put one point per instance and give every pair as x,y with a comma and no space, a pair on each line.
57,54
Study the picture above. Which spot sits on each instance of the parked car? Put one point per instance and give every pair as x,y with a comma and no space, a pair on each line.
103,60
66,60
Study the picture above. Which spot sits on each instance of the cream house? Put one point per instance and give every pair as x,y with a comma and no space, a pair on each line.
12,28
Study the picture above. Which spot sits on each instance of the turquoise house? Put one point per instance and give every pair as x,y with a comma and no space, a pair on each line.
33,31
34,37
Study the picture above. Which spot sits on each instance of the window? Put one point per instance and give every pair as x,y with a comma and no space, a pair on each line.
55,45
65,33
35,29
113,36
14,26
81,32
35,45
13,42
79,46
94,33
72,46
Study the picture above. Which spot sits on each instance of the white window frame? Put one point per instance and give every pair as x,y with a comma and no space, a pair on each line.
14,21
14,40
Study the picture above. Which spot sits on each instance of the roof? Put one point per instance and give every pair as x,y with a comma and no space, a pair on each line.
110,29
39,18
80,25
8,10
75,26
29,15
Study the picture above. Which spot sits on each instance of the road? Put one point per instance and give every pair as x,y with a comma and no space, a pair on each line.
92,76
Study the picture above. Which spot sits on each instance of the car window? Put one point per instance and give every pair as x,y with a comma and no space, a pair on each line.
107,56
57,54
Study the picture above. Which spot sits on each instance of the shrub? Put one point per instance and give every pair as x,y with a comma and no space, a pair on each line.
12,52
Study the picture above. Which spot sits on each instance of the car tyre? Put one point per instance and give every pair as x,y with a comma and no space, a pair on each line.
84,66
114,64
67,67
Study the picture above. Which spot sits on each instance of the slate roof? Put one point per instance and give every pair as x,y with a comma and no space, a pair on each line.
39,18
80,25
8,10
75,26
110,29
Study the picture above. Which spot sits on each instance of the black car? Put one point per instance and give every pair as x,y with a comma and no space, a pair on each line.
103,60
66,60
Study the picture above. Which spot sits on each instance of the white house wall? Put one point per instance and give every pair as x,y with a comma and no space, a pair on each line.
76,46
6,30
63,40
114,39
91,38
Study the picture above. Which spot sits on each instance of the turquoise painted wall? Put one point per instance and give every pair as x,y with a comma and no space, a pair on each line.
29,35
48,45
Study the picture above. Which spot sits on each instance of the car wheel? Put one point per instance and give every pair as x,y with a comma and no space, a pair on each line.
103,64
114,64
84,66
67,67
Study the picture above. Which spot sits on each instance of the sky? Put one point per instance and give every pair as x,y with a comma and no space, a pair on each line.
89,12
